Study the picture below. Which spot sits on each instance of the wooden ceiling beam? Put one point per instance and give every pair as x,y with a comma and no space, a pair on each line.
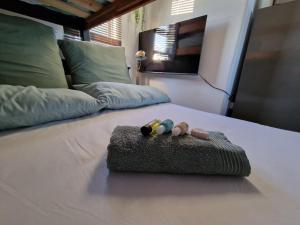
65,7
107,12
90,5
115,9
42,13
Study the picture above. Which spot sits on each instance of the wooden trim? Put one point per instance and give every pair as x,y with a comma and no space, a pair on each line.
103,39
65,7
42,13
88,4
115,9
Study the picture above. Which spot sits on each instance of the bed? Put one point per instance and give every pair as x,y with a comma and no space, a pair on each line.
56,174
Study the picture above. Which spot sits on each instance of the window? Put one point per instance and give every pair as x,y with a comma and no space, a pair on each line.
108,33
182,7
71,34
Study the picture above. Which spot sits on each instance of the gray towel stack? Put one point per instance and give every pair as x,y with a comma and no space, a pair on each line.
130,151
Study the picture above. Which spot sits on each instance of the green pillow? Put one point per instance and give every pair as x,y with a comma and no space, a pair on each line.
90,62
29,54
28,106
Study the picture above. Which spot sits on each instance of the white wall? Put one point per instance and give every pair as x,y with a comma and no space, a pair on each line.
224,36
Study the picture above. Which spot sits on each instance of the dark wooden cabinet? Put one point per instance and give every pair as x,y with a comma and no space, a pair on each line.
269,87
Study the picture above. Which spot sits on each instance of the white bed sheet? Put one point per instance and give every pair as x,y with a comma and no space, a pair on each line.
56,174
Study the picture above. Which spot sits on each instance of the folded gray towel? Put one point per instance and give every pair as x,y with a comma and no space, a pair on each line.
130,151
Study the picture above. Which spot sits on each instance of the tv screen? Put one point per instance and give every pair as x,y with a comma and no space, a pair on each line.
174,48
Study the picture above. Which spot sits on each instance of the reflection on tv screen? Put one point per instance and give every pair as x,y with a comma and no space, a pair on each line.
174,48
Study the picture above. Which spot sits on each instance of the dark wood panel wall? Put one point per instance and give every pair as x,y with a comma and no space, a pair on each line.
269,87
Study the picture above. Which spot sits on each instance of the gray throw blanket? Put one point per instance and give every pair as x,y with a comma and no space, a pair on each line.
130,151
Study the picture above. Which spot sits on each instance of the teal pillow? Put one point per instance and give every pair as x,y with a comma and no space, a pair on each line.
29,54
90,62
123,96
28,106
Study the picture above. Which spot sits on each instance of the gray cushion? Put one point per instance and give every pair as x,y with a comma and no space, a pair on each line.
29,54
90,62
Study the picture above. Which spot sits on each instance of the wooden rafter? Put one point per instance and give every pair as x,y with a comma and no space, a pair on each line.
79,14
65,7
113,10
40,12
90,5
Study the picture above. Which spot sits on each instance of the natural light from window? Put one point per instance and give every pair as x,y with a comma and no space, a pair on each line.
182,7
163,42
109,33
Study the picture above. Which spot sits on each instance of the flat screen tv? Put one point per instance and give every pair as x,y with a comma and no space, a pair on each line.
174,48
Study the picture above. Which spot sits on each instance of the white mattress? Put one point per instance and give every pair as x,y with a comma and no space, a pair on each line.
56,174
